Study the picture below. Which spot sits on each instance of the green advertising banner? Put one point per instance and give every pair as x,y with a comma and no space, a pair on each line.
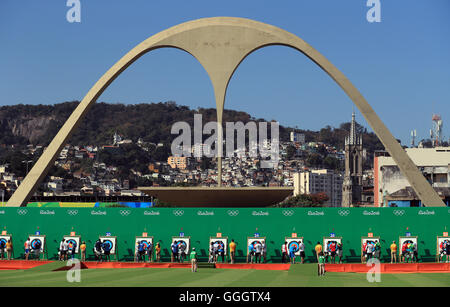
275,224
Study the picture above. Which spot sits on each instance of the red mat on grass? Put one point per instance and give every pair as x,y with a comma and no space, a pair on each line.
391,268
127,265
255,266
123,265
21,264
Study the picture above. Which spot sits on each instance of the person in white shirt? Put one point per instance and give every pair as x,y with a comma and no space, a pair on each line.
65,249
369,250
258,249
264,251
61,250
211,253
27,248
136,252
302,252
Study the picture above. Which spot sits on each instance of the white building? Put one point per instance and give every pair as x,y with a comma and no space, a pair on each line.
297,137
434,163
316,181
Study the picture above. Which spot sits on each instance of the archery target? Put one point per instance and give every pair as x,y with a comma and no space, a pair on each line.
254,240
295,242
441,241
146,241
403,240
327,242
367,240
75,240
5,239
182,241
111,241
221,241
34,239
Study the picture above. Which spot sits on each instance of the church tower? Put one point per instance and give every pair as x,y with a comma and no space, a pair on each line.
352,185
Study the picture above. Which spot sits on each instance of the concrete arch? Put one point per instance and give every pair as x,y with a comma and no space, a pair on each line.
220,44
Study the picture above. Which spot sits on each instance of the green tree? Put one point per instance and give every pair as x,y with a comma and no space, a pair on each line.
305,200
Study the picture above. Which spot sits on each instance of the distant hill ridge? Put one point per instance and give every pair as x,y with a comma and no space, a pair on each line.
38,124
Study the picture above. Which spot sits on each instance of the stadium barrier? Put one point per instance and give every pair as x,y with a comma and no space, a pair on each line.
89,205
391,268
275,224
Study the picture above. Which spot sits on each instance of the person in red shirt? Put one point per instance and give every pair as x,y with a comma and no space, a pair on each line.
403,256
333,251
364,252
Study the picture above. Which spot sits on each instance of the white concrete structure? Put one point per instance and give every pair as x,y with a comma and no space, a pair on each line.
434,163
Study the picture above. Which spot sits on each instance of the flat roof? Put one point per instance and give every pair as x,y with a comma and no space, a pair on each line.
438,156
219,196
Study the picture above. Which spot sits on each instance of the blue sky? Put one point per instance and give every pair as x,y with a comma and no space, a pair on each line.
400,65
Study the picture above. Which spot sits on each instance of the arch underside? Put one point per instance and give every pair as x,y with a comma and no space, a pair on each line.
220,44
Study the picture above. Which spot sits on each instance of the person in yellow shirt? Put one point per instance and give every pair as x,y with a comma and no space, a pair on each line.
318,249
232,250
393,252
83,251
158,252
9,249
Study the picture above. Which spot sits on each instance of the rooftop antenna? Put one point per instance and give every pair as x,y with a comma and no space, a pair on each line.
436,137
413,138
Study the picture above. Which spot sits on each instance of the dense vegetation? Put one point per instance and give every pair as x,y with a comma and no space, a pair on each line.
150,121
305,200
38,124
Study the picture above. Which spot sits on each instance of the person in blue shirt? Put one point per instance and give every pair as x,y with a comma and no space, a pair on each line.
106,250
222,252
251,252
140,250
72,249
174,248
292,250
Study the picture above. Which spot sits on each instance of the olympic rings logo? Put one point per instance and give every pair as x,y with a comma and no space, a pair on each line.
233,212
398,212
124,212
22,211
344,212
72,212
288,212
178,212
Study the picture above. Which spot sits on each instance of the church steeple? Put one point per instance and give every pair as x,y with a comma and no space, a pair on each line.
352,186
353,138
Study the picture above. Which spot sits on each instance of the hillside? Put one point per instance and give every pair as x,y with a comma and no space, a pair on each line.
38,124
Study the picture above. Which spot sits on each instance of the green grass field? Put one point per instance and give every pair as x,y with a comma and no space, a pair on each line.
298,276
